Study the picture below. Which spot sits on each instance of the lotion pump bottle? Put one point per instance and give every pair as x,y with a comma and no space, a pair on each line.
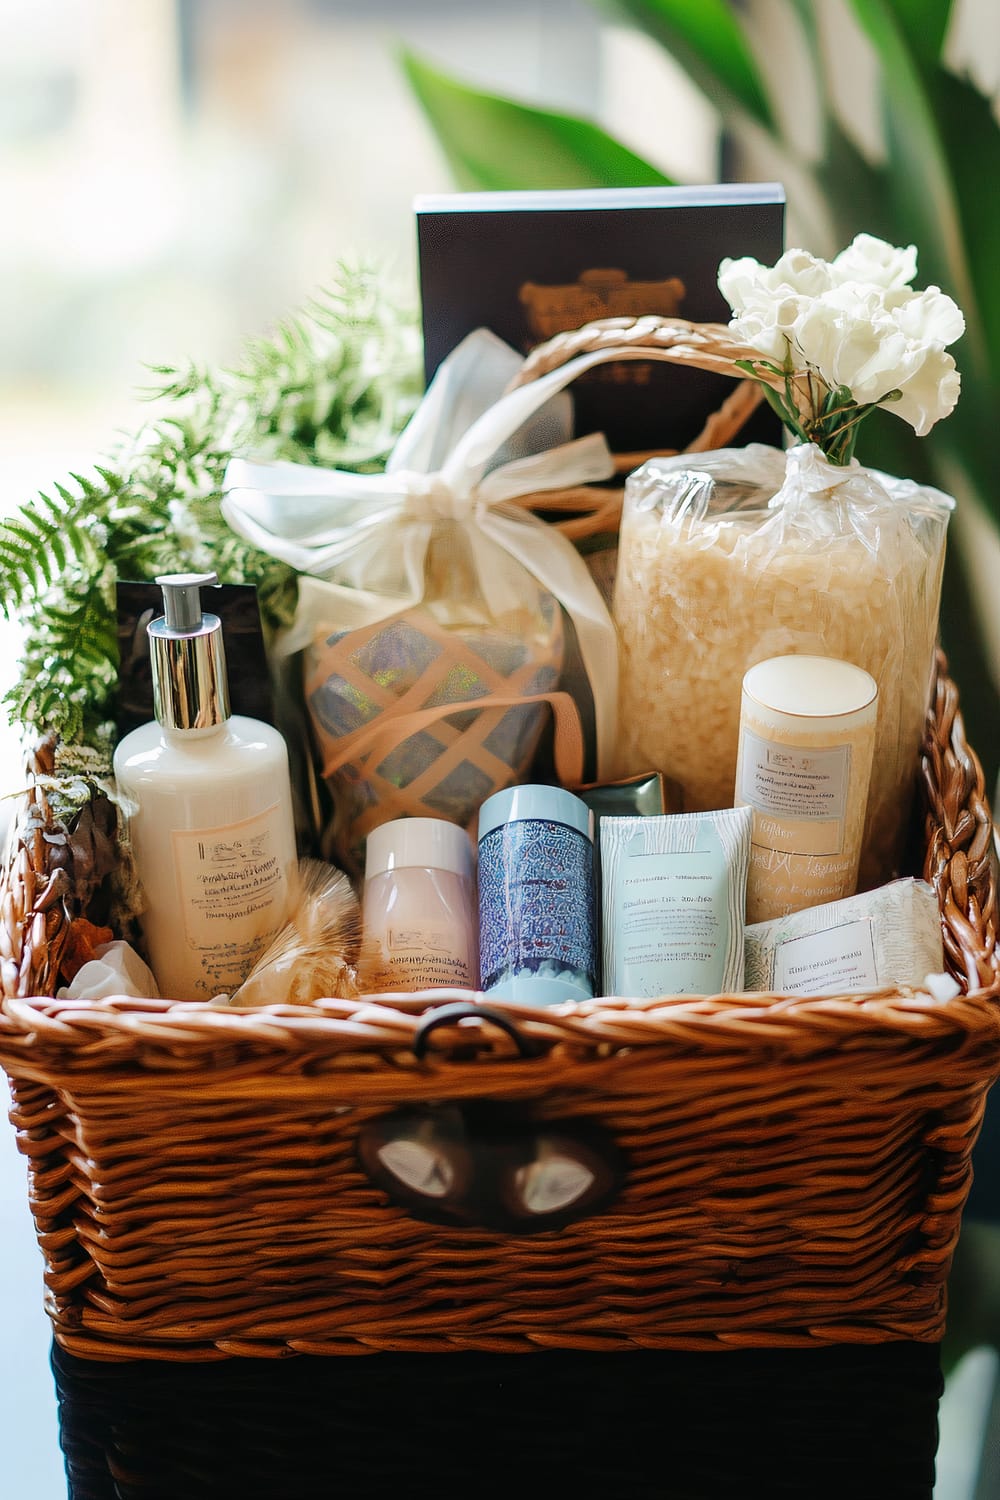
208,803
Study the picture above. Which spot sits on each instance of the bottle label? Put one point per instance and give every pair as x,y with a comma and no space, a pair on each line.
798,794
423,956
235,895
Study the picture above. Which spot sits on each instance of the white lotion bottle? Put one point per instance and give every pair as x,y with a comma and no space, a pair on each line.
208,804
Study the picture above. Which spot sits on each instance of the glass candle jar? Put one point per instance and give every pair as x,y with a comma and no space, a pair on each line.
807,734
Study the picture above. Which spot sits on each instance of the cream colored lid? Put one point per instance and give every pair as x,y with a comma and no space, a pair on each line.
422,843
810,686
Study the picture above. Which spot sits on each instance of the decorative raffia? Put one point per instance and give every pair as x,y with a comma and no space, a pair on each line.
796,1167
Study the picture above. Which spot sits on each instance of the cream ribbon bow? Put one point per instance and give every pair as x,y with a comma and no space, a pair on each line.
467,449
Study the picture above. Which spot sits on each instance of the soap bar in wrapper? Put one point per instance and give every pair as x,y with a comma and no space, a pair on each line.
889,936
411,663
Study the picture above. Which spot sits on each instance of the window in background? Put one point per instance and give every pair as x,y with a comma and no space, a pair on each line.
178,173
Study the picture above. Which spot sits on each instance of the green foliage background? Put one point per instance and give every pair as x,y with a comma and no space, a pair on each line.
934,184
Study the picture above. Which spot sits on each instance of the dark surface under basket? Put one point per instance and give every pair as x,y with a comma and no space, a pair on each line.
796,1167
810,1423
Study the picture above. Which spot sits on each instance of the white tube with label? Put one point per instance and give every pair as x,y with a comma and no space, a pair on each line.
807,734
673,891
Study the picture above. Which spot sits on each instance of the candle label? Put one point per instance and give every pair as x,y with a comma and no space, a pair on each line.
798,794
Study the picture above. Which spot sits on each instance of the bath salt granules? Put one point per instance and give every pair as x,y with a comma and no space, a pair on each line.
757,553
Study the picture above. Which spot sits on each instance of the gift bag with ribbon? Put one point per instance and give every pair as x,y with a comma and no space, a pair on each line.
436,621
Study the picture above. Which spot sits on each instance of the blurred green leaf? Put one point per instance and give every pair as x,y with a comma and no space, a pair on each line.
919,181
943,144
493,143
866,203
925,24
971,140
705,37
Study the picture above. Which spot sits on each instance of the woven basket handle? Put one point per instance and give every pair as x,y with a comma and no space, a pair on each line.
387,731
705,346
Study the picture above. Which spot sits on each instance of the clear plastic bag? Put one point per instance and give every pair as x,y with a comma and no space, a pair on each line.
754,552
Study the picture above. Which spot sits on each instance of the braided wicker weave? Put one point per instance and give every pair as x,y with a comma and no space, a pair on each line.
583,510
796,1167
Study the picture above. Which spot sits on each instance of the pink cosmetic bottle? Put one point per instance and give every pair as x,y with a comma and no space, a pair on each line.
419,907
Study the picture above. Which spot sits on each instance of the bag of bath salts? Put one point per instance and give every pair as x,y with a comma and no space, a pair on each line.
749,553
434,617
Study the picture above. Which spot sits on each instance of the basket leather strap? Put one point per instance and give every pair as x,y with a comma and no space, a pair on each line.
387,731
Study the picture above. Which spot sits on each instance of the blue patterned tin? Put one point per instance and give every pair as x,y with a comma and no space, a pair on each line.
536,896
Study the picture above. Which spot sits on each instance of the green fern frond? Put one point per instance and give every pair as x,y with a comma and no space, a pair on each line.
333,384
86,626
38,542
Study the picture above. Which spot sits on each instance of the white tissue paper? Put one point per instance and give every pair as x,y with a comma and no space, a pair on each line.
942,987
117,970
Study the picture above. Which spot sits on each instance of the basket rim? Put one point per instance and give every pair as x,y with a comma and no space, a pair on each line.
83,1037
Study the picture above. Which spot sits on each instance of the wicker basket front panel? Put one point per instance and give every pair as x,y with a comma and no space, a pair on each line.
214,1225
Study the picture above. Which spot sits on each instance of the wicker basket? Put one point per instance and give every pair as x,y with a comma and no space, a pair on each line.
795,1169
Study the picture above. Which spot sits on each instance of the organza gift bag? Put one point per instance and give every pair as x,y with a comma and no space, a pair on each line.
435,619
755,552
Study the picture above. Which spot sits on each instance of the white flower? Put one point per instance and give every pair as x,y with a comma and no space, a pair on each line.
741,281
856,337
929,317
930,393
768,301
799,274
765,326
849,339
853,325
876,263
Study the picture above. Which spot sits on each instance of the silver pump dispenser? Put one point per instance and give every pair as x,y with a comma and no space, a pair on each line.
187,656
